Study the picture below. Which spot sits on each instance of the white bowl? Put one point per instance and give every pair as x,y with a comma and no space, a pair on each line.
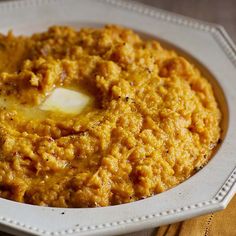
207,191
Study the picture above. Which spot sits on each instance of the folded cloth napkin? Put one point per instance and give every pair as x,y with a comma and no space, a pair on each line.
222,223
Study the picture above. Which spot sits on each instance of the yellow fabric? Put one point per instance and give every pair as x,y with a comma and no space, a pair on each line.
221,223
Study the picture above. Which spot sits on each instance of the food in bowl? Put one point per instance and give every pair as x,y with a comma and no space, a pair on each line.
99,117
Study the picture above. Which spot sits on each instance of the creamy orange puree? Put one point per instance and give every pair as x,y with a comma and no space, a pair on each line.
154,122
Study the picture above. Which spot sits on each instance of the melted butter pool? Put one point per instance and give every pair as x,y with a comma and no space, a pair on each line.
66,101
61,103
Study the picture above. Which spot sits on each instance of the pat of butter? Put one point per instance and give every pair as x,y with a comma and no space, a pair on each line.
66,100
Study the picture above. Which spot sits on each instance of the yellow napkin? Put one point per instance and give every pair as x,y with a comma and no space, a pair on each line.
221,223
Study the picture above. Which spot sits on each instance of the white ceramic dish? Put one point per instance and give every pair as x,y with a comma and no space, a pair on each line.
207,191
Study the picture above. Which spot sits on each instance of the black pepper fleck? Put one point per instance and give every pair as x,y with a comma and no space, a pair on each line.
197,168
219,141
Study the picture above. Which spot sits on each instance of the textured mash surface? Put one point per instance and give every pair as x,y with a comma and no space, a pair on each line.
153,124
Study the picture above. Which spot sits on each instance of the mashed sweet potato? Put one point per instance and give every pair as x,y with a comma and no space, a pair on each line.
154,122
